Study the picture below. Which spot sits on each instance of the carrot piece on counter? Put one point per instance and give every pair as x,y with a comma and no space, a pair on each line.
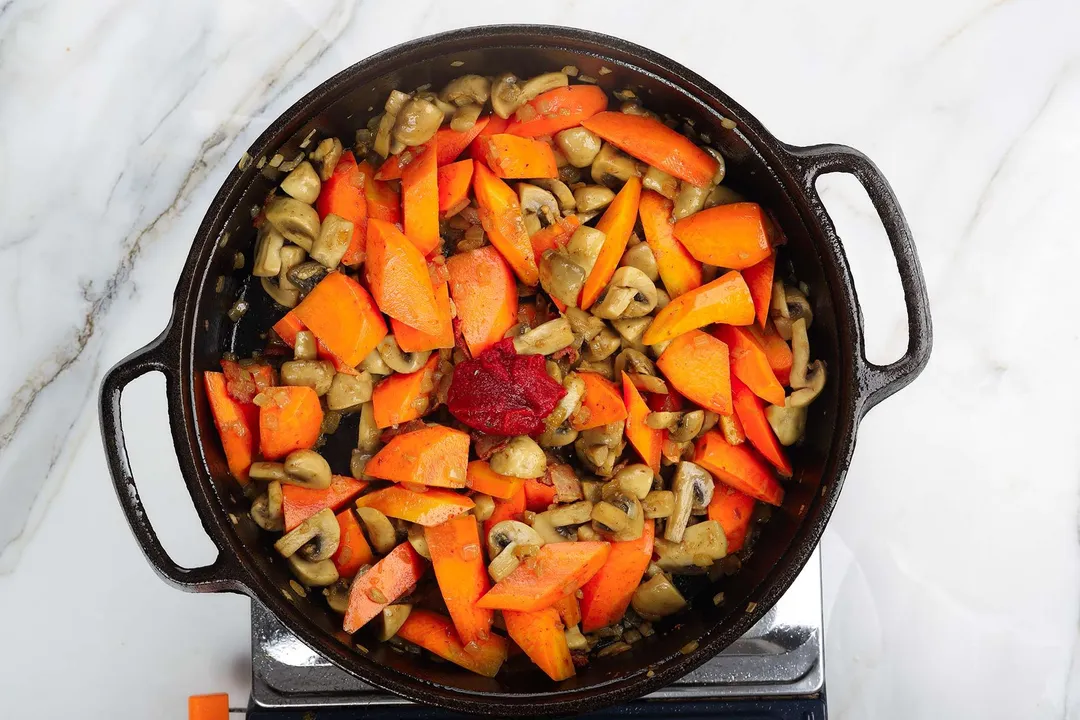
606,596
382,202
458,561
776,350
557,110
412,340
513,157
436,456
450,143
343,317
538,495
300,503
646,441
678,269
725,300
481,478
500,215
542,635
751,411
290,420
454,181
436,634
420,201
733,236
697,365
399,279
750,364
739,467
424,508
656,144
557,569
387,580
554,236
495,126
733,510
344,195
759,278
236,423
404,397
601,404
208,707
485,294
353,550
616,223
512,508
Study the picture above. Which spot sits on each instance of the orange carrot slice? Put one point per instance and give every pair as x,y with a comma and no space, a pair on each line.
500,215
343,195
538,495
554,236
555,570
759,278
652,142
237,425
412,340
646,441
512,508
389,579
436,634
733,510
759,432
678,269
606,596
776,350
287,329
557,110
495,126
208,707
455,180
394,166
424,508
569,609
481,478
733,236
435,455
353,550
459,567
542,635
290,420
449,143
399,279
485,294
300,503
382,202
750,364
697,365
601,404
725,300
244,382
343,317
420,201
616,223
510,156
739,467
404,397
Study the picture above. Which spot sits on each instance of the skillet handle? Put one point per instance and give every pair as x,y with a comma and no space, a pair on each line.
221,574
879,381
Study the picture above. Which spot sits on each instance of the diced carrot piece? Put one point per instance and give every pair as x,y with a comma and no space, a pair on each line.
435,455
481,478
244,382
458,561
725,300
569,609
512,508
495,126
751,412
343,317
289,326
557,110
500,215
420,201
646,441
399,279
455,180
387,580
290,420
654,143
404,397
734,236
616,223
776,350
412,340
424,508
697,365
670,402
542,635
510,156
450,143
238,432
601,404
750,364
733,510
343,195
394,166
300,503
485,294
759,278
678,269
554,236
606,596
208,707
557,569
353,550
436,634
538,495
382,202
739,467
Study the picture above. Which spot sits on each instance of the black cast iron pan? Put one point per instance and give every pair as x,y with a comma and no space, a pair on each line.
779,176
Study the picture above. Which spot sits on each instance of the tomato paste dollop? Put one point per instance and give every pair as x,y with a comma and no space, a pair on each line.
503,393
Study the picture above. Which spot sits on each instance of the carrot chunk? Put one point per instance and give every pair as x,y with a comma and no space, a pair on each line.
344,195
724,300
759,432
500,215
538,495
734,236
435,455
646,441
776,350
616,223
759,278
428,508
399,279
481,478
554,236
353,550
750,364
697,365
436,634
733,510
412,340
483,288
389,579
678,269
458,561
601,404
237,425
510,156
652,142
300,503
512,508
454,182
450,143
343,317
420,201
555,570
290,420
557,110
404,397
739,467
569,609
606,596
541,634
382,202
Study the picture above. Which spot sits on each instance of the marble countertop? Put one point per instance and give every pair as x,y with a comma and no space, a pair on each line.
952,572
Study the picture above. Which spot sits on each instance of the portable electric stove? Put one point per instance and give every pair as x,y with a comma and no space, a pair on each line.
775,671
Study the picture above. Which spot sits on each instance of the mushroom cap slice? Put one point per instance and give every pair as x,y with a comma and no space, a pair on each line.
313,573
657,597
520,458
509,532
693,488
391,619
701,546
318,536
380,531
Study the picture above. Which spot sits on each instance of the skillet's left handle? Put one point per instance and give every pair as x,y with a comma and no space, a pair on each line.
880,381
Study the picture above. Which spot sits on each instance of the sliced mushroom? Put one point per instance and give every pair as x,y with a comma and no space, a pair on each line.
561,277
335,234
722,195
584,325
417,122
659,181
569,403
687,426
504,563
467,90
306,275
542,83
327,153
304,346
520,458
506,95
788,422
483,506
611,167
657,598
630,294
391,619
732,429
552,336
641,257
307,468
579,145
800,351
349,392
562,193
584,247
591,198
358,461
297,221
367,439
606,343
691,199
419,541
658,504
537,200
546,529
375,364
268,252
633,362
465,117
400,361
600,447
267,471
636,480
313,573
380,532
291,256
693,488
603,368
593,490
701,546
575,640
789,304
302,183
510,532
315,374
619,516
572,514
813,385
671,453
337,595
266,510
316,538
662,298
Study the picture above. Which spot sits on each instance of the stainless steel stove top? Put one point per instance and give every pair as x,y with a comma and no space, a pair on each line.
781,656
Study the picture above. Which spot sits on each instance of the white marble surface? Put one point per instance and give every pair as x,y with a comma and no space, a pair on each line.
952,572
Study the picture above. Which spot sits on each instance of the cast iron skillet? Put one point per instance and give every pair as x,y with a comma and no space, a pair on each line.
779,176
